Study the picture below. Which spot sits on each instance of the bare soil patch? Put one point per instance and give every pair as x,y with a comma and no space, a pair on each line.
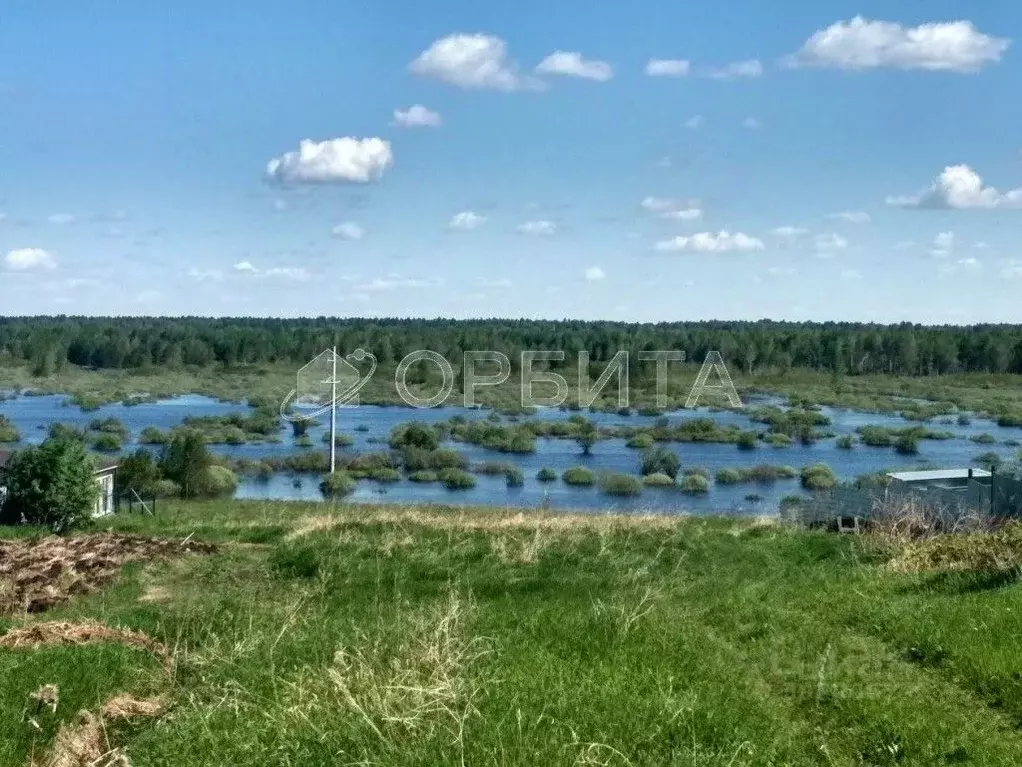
37,574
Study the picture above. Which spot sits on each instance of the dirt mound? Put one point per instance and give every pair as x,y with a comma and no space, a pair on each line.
37,574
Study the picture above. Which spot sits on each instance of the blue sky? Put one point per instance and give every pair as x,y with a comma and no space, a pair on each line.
650,161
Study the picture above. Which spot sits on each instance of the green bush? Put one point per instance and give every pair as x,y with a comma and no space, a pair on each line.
53,484
614,483
218,482
846,442
578,476
300,427
153,436
658,480
61,431
818,477
185,460
698,471
166,488
109,426
137,472
779,440
384,474
362,427
660,460
964,420
414,434
983,439
729,477
747,440
337,485
989,460
514,476
456,479
640,442
8,431
493,468
695,484
907,445
423,476
303,441
417,459
107,443
547,475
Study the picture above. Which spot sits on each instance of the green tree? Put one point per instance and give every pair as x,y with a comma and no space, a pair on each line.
53,484
138,472
587,437
185,460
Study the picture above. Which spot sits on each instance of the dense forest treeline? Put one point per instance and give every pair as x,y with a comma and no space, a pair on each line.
48,344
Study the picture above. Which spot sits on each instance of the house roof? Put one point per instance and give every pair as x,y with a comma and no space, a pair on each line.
104,464
938,475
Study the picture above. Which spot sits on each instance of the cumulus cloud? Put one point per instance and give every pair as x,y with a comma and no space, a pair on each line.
861,43
538,228
708,242
349,230
288,272
27,259
245,266
678,210
417,116
851,217
62,219
943,243
594,273
297,273
202,275
466,221
335,160
737,70
668,67
959,187
830,243
571,64
470,61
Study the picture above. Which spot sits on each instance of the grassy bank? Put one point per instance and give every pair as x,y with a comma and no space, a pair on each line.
999,396
399,635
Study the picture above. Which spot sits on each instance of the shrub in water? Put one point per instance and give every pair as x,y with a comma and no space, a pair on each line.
989,460
697,471
414,434
384,474
846,442
658,480
579,476
547,475
660,460
695,484
423,476
640,442
964,420
729,477
303,441
107,443
907,445
340,440
779,440
218,481
620,484
747,440
337,485
818,477
983,439
456,479
514,477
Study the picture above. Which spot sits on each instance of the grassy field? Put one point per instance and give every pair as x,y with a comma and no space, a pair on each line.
430,636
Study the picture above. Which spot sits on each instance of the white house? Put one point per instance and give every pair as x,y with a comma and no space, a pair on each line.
106,470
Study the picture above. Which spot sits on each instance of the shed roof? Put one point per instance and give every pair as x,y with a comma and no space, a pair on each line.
938,475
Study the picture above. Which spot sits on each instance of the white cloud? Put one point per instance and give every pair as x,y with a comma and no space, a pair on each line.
571,64
751,123
852,217
26,259
668,67
981,245
395,281
790,232
205,274
470,61
279,205
829,243
865,44
1013,270
594,273
738,69
943,244
245,266
417,116
708,242
335,160
678,210
62,219
288,272
466,221
959,187
348,230
781,271
538,228
694,122
850,275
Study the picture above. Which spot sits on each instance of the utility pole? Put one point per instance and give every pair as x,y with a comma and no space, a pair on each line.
333,412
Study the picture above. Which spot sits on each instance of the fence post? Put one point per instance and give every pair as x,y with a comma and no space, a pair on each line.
993,479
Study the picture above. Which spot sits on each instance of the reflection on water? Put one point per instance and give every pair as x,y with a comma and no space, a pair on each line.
33,416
